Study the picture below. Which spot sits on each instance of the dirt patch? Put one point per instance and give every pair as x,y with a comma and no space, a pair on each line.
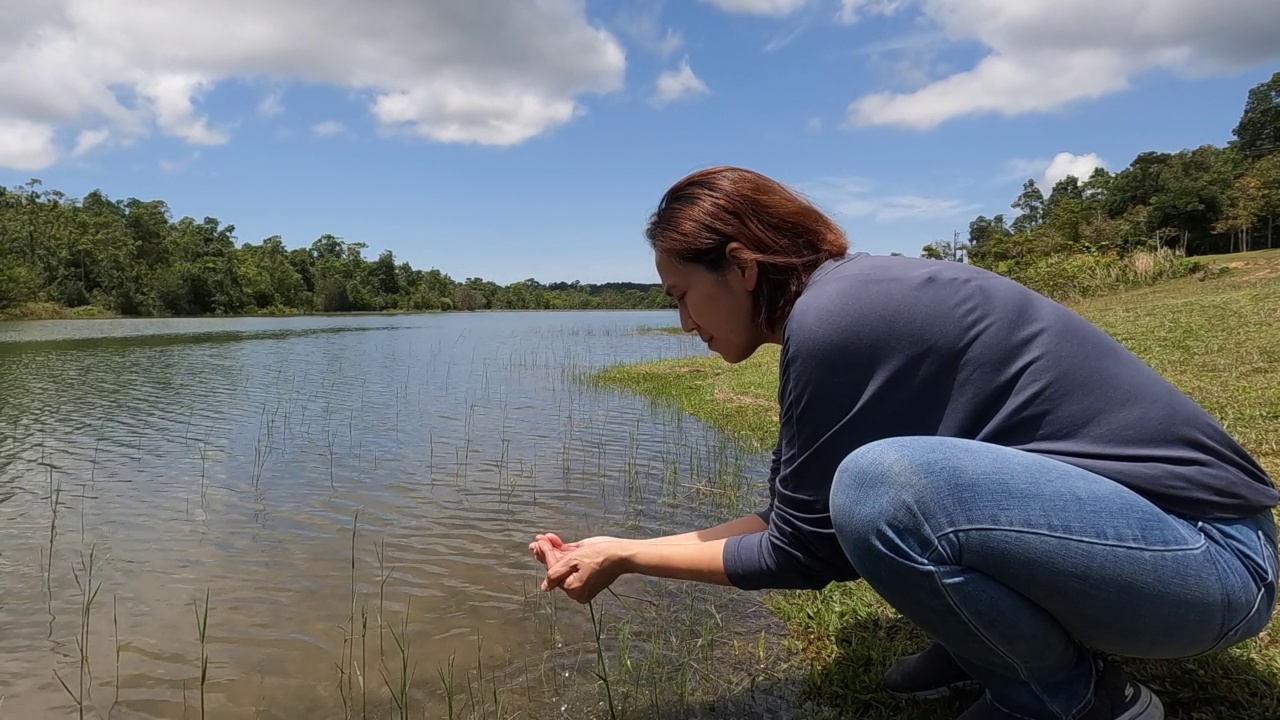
743,399
737,399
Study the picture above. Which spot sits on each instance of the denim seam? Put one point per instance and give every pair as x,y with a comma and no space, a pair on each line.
946,593
1225,626
1073,538
1231,627
1004,709
1022,672
1268,558
1087,703
1079,712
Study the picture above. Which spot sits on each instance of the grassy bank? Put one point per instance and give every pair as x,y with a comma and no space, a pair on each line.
53,311
1075,276
1215,335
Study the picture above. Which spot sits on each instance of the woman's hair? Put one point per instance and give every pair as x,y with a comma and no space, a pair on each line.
787,236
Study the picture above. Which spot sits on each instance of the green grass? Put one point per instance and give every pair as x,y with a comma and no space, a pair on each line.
52,311
741,400
659,330
1218,339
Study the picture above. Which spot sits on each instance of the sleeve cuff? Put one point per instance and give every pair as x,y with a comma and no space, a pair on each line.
747,562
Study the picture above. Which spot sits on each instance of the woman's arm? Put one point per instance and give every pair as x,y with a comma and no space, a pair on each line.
741,526
548,548
698,560
589,569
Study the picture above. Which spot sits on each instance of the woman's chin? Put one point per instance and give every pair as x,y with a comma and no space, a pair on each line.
730,356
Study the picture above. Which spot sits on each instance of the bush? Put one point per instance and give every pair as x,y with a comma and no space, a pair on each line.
1074,276
52,311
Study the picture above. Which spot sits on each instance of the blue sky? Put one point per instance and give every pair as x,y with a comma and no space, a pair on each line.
512,139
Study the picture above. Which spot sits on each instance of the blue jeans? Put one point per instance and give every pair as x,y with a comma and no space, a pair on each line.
1023,566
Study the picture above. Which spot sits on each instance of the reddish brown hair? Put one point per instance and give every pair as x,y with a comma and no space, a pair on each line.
787,236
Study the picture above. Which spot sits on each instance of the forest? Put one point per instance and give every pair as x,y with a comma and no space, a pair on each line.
1205,200
131,258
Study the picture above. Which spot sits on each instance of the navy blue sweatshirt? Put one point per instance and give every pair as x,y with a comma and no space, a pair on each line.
879,347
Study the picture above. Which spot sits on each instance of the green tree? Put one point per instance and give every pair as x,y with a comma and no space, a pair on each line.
1192,195
1030,207
944,250
1258,132
131,257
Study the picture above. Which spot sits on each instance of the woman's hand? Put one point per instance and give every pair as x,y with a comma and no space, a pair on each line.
586,570
586,567
549,548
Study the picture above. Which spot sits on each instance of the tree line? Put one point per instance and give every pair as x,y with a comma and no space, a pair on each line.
1197,201
130,257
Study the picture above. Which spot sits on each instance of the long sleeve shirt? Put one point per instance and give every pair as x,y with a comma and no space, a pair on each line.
878,347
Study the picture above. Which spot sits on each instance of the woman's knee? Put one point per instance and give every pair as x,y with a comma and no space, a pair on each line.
883,481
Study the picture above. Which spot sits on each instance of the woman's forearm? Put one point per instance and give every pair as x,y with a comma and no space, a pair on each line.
740,526
696,560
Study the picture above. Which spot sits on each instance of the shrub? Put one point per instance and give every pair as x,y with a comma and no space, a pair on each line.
1073,276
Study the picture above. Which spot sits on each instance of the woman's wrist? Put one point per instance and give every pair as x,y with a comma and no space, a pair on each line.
623,554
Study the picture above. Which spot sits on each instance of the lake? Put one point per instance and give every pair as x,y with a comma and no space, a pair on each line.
148,465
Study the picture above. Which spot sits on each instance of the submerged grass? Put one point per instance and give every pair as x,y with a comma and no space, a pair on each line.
658,656
1215,335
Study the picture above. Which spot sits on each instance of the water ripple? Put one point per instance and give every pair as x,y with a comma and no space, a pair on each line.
232,457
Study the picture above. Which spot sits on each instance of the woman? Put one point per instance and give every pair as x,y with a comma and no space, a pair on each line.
1005,474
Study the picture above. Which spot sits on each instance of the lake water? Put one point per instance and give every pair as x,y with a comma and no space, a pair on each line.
230,457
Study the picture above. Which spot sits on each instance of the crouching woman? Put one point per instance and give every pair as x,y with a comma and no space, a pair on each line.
1006,475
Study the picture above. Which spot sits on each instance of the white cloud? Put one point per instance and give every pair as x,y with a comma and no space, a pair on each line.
1020,169
641,24
1065,163
272,103
1047,173
907,61
328,128
1042,56
851,11
772,8
676,84
670,42
26,145
497,72
174,166
857,197
88,140
901,207
785,39
170,98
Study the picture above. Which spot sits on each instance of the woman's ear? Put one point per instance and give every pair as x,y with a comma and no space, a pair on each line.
741,262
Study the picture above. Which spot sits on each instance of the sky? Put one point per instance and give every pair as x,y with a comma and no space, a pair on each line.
510,139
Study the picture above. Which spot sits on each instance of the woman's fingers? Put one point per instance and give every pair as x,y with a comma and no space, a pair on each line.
560,571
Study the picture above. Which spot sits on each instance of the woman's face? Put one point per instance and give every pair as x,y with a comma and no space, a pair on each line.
718,307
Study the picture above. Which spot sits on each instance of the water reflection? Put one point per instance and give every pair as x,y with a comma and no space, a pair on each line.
234,456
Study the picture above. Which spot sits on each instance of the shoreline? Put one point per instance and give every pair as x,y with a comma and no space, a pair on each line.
64,313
